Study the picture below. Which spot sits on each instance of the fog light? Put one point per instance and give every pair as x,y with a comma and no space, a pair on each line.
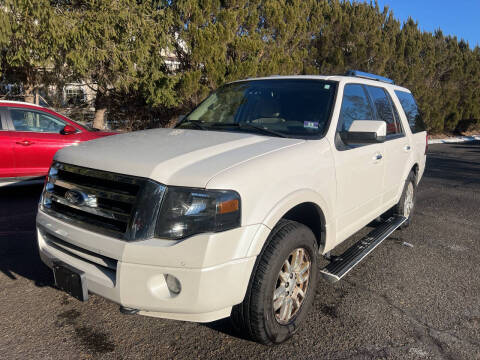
173,284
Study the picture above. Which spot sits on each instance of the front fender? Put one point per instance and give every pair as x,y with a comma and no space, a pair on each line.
283,206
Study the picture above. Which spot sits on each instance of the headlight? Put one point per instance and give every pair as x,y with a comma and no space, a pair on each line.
187,211
45,200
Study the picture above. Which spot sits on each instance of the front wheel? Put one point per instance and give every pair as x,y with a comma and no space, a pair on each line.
282,287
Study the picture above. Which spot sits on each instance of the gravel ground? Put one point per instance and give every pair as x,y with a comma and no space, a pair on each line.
402,302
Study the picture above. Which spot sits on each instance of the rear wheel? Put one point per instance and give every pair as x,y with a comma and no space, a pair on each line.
406,205
282,286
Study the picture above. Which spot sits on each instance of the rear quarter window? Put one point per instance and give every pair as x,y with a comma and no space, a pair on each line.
3,120
410,108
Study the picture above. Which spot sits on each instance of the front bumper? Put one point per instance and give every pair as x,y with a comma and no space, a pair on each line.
213,269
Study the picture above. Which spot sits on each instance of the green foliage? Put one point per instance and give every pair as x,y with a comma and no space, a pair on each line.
120,47
116,46
230,40
30,33
5,34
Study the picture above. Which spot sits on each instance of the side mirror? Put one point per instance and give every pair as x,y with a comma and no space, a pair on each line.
68,130
365,132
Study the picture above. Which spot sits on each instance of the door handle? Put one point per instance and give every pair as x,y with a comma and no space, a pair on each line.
407,147
377,157
25,142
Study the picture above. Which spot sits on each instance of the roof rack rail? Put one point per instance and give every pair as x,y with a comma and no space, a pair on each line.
364,75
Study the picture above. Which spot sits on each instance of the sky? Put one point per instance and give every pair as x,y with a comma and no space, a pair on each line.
458,17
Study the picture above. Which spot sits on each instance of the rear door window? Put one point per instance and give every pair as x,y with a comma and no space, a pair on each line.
385,110
355,106
410,108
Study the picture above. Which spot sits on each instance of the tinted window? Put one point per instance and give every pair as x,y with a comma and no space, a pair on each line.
287,106
26,120
396,116
411,111
383,106
355,106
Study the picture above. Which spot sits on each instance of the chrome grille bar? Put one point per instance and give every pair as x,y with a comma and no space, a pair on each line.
91,190
110,214
101,201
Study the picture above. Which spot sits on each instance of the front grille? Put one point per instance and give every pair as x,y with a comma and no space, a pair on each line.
101,201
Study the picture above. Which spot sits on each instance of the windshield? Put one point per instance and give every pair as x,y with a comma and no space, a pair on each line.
277,107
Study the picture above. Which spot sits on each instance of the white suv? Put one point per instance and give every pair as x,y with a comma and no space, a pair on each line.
226,214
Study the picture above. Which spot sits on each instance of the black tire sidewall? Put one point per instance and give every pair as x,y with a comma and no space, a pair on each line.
298,237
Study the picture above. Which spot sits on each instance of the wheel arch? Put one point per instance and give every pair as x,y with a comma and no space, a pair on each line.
415,169
409,168
312,216
304,206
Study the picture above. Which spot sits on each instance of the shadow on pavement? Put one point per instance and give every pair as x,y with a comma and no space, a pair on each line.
473,145
226,327
464,171
18,249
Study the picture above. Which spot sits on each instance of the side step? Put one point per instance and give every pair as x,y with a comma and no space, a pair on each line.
341,265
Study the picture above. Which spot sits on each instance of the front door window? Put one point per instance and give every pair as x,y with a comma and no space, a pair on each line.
27,120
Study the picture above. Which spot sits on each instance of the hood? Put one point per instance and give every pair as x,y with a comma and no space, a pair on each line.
172,156
107,133
103,133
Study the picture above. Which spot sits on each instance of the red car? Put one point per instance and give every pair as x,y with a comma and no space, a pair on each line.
29,137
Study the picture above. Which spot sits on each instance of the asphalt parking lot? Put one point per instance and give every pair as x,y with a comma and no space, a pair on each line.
403,302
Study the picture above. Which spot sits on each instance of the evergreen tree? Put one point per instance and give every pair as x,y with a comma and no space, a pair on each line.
116,47
119,48
229,40
5,34
30,33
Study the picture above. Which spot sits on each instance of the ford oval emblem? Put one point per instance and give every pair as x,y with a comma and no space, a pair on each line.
75,197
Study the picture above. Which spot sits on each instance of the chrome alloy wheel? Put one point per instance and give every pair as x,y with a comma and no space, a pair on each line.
292,285
408,204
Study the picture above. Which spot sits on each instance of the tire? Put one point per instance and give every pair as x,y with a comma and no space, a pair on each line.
256,317
404,206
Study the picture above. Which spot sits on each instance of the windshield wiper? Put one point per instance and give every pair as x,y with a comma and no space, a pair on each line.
195,123
261,129
248,126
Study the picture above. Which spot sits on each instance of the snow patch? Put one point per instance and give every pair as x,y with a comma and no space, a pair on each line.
456,139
